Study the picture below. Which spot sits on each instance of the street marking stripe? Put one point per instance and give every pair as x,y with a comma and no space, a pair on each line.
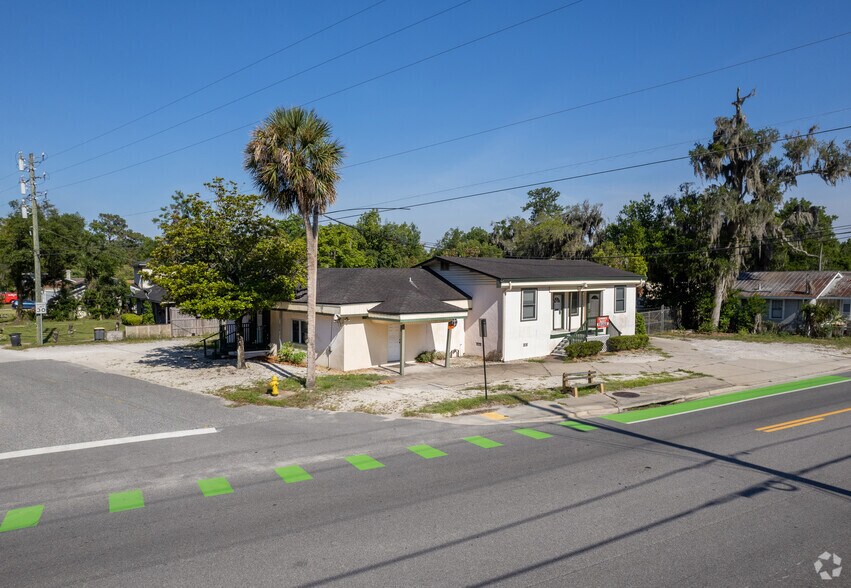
809,422
364,462
215,487
802,420
482,442
21,518
293,474
121,501
494,416
533,433
578,426
426,451
662,412
105,443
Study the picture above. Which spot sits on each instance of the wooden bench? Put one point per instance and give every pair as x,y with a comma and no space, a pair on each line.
573,389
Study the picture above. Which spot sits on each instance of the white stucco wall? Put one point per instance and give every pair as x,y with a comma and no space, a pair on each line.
329,339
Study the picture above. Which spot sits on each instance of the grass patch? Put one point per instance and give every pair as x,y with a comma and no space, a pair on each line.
838,342
293,394
497,388
649,380
83,331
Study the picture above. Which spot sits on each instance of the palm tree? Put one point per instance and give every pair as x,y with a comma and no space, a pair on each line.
294,161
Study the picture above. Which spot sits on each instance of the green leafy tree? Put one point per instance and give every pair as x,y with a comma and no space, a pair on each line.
747,186
391,244
542,203
224,259
473,243
342,246
294,163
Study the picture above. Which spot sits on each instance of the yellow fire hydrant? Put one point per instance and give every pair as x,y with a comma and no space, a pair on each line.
274,384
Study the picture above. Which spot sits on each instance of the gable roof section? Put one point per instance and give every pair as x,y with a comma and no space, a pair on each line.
841,288
791,284
397,290
520,270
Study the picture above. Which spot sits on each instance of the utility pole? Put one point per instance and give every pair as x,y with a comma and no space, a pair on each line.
39,307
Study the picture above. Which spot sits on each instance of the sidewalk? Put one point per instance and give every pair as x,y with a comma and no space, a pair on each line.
728,366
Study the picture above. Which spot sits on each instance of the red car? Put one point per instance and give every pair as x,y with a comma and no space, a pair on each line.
8,297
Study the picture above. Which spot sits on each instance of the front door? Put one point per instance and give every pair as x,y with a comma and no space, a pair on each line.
394,343
558,311
592,308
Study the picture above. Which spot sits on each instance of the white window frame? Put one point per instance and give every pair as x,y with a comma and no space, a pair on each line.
772,307
524,305
622,299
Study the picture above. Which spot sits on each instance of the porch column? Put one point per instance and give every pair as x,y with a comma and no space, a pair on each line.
402,349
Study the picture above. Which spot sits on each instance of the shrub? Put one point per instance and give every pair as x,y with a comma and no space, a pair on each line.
291,354
640,324
626,342
148,314
130,319
584,349
425,357
820,319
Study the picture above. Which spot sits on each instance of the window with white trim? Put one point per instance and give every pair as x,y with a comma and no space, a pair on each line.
299,332
776,309
529,300
620,299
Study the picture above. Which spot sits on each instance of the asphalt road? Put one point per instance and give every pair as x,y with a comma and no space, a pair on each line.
698,499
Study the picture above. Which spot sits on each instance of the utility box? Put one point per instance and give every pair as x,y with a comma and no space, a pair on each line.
100,334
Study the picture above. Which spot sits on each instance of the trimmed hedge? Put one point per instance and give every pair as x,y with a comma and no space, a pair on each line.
625,342
585,349
640,324
131,320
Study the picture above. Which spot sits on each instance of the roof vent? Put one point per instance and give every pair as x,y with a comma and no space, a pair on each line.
809,286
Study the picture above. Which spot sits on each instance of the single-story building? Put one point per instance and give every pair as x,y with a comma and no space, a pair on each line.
370,317
786,292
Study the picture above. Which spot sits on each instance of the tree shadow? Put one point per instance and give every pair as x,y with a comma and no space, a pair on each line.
181,357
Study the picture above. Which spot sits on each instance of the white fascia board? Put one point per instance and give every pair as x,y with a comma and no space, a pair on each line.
438,317
830,285
571,285
301,307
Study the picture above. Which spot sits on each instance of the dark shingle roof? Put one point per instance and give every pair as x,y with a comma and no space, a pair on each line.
539,269
399,291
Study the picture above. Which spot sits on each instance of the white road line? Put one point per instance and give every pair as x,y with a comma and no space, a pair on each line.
105,443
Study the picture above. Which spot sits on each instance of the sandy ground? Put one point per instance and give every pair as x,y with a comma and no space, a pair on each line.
176,364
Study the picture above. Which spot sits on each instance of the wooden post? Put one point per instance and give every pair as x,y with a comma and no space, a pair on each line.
590,376
574,390
565,384
602,387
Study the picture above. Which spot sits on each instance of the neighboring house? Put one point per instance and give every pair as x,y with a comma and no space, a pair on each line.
370,317
143,290
76,287
531,306
786,292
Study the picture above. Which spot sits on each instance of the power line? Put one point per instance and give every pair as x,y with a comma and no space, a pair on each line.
574,164
266,87
224,77
337,92
602,172
598,101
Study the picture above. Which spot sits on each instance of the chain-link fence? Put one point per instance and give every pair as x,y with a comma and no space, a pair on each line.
659,320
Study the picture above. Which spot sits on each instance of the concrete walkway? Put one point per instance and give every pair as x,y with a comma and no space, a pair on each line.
725,365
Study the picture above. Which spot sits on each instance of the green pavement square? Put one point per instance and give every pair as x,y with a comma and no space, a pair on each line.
292,474
483,442
533,433
21,518
120,501
426,451
215,486
364,462
578,426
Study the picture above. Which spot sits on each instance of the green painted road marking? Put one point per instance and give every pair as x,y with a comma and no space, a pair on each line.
292,474
533,433
482,442
215,486
426,451
713,401
364,462
120,501
21,518
578,426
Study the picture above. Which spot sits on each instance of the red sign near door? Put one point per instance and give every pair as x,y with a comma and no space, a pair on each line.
602,322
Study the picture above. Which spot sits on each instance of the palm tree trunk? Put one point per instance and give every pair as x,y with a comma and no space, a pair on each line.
311,226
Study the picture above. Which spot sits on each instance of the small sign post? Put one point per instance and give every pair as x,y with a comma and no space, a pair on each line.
483,331
41,307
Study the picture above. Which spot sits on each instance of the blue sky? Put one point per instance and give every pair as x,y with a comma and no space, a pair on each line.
73,71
